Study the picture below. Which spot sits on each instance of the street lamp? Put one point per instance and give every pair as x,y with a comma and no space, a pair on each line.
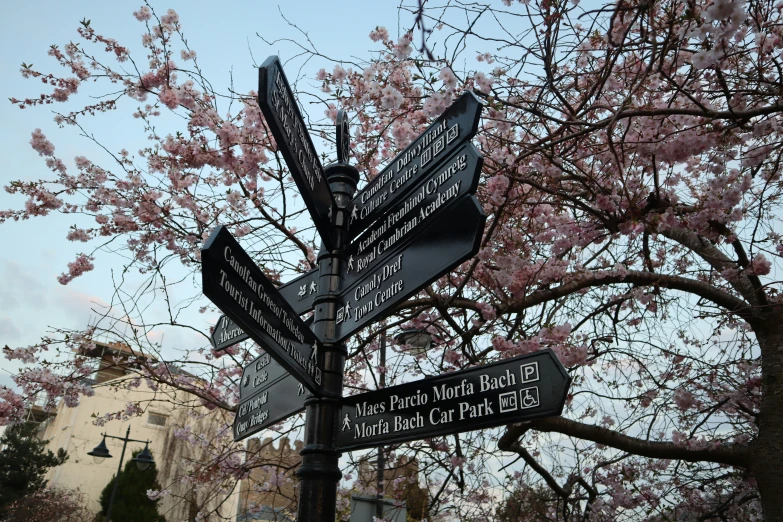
142,460
421,340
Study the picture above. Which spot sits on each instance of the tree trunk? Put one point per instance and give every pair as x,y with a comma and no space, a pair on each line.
767,450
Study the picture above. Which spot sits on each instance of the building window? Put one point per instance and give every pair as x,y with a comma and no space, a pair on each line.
156,419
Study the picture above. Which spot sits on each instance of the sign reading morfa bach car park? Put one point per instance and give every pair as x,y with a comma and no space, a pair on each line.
522,388
416,221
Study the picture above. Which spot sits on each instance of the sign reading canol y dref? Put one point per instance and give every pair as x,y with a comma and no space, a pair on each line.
238,287
446,242
282,114
525,387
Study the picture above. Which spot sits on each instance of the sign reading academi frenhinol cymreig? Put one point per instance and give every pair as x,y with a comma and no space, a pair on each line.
525,387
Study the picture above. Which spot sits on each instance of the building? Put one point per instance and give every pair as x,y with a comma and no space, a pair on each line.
164,410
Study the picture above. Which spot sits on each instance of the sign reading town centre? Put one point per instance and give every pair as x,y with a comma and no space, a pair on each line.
523,388
237,286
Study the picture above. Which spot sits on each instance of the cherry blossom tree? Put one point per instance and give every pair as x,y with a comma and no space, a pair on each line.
632,183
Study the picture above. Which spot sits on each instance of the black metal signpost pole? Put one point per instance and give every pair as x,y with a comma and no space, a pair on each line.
320,472
381,456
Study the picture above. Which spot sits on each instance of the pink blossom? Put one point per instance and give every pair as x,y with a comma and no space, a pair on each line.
684,399
82,264
482,82
391,98
143,14
379,34
339,74
448,78
187,55
42,145
759,266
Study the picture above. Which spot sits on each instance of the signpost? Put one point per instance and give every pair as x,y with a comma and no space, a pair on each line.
268,395
237,286
280,109
417,220
452,128
525,387
449,241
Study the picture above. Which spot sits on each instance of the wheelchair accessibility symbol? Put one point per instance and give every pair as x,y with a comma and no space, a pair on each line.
528,398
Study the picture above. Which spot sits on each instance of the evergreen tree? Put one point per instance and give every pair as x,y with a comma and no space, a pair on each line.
131,503
24,460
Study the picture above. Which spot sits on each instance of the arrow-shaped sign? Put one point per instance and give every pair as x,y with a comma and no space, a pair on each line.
523,388
268,406
447,242
282,114
402,222
238,287
457,124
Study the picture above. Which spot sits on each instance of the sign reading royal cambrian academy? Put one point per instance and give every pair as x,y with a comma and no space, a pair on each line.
451,239
234,283
523,388
282,114
452,128
402,222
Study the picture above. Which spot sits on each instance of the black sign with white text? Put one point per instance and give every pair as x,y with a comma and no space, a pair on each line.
226,333
300,292
402,222
282,114
258,375
457,124
448,241
271,405
234,283
523,388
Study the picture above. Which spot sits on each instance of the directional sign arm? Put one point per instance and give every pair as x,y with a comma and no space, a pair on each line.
449,241
280,109
238,287
523,388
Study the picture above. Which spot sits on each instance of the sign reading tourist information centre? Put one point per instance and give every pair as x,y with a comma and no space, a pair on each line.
525,387
238,287
416,221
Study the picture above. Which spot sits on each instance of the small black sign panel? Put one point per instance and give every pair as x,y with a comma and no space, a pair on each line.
237,286
282,114
523,388
269,406
226,334
259,374
446,243
300,292
457,124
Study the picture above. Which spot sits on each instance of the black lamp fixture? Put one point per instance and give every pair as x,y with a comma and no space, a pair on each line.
420,340
143,459
100,452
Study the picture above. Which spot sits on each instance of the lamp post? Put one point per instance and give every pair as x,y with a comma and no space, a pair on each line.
142,460
422,341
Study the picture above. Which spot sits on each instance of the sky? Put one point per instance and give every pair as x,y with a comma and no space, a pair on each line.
227,43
